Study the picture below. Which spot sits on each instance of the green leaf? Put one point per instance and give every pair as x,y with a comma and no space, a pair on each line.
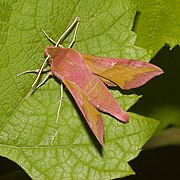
168,131
29,134
157,23
164,112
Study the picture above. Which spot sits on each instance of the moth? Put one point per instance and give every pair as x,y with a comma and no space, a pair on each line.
87,77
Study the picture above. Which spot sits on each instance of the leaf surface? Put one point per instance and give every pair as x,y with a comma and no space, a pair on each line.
158,23
29,134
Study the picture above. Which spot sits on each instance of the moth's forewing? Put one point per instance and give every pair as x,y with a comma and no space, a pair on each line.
91,114
127,74
70,65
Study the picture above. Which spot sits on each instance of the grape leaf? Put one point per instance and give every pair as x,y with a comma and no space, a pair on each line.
29,134
158,22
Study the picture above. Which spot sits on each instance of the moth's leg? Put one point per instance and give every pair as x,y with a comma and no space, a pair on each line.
44,80
39,85
51,40
74,36
40,71
60,103
77,19
33,71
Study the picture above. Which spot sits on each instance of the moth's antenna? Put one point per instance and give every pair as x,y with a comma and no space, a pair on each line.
51,40
67,30
56,45
75,32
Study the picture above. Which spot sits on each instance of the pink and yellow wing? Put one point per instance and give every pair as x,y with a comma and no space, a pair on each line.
90,113
127,74
70,65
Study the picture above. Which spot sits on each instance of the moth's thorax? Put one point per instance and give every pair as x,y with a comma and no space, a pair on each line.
57,54
50,51
65,62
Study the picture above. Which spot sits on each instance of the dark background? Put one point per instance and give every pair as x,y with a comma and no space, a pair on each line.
151,164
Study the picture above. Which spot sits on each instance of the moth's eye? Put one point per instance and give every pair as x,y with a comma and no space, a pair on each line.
49,59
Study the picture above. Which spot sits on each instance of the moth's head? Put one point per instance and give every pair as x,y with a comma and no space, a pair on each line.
50,51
